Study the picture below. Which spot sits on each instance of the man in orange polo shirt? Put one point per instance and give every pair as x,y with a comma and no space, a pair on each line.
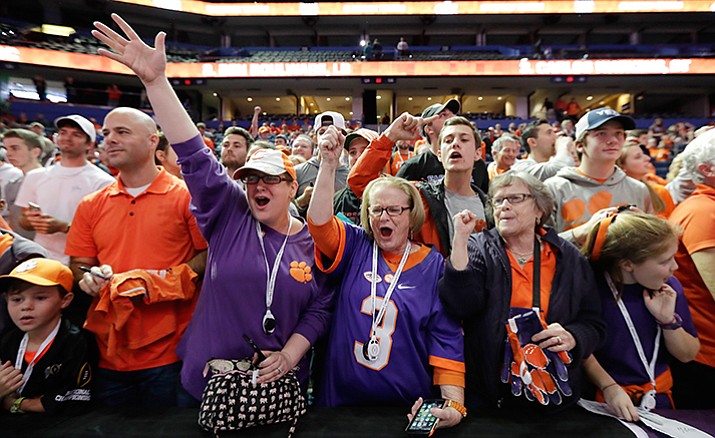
145,250
696,270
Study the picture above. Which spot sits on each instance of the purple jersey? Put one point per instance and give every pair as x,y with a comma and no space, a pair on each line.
415,333
619,356
233,295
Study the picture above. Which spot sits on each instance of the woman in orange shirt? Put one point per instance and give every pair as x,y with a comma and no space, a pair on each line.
636,165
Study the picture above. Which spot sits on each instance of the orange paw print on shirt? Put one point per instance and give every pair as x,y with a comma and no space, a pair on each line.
574,211
300,271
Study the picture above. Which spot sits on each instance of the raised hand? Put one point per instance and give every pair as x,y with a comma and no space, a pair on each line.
146,62
464,224
661,304
407,127
330,144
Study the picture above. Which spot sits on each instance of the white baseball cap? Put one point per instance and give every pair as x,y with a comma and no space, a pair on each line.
328,118
85,125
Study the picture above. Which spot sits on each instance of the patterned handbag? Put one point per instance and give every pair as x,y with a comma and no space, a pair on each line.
233,400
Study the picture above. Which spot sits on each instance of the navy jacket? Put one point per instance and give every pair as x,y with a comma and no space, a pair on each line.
480,296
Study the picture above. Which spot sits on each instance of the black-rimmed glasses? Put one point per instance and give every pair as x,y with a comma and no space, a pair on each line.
392,210
267,179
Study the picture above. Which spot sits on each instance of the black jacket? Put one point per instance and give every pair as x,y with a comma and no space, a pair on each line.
480,296
63,375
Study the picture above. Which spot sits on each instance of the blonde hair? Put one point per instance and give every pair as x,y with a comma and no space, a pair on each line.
417,211
631,236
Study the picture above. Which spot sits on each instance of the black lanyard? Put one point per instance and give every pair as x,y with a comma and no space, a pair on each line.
536,299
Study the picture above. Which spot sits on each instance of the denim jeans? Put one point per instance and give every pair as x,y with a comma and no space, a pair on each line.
150,388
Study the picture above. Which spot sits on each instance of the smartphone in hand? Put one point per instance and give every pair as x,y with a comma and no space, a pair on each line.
424,423
261,356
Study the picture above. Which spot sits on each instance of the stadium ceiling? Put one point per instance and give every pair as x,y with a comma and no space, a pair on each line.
517,27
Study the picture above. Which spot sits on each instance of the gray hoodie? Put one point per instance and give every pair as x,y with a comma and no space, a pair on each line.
578,197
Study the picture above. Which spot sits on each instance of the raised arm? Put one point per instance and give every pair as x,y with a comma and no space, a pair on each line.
254,121
320,210
149,64
378,152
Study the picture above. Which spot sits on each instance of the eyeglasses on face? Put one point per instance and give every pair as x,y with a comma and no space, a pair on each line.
267,179
392,210
514,199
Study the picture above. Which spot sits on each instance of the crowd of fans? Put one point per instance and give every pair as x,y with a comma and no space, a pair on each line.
565,268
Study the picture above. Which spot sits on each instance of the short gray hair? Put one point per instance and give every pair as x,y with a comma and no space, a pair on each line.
501,141
699,151
541,194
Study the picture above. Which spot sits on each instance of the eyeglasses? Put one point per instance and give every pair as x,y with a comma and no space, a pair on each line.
392,210
267,179
513,199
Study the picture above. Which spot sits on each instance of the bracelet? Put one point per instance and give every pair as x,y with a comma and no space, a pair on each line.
675,324
608,386
457,406
15,408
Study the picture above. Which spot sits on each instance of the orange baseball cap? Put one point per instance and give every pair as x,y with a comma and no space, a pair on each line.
268,161
41,272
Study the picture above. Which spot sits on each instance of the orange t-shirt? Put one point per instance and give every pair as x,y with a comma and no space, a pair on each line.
696,216
522,279
493,170
396,161
155,230
652,177
665,196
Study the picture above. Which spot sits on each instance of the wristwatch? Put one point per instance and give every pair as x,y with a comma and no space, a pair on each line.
675,324
15,408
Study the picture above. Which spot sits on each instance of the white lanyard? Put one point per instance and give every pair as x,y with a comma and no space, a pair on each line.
23,348
649,367
269,320
373,286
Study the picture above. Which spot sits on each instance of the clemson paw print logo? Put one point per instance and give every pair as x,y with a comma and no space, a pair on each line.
300,271
28,265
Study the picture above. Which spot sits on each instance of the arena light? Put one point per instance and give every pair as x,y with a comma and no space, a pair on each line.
53,29
367,71
394,8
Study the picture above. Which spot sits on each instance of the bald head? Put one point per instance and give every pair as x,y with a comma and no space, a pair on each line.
130,139
140,119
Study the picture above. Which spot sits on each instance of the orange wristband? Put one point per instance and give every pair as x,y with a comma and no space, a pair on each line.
457,406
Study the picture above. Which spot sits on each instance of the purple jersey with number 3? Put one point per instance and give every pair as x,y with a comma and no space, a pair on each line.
414,335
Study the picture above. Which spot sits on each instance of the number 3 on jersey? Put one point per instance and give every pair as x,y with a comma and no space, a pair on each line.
384,334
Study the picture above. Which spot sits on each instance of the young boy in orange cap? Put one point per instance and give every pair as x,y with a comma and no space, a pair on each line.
46,360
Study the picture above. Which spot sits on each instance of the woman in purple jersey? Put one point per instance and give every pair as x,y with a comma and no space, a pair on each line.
259,278
643,306
390,341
